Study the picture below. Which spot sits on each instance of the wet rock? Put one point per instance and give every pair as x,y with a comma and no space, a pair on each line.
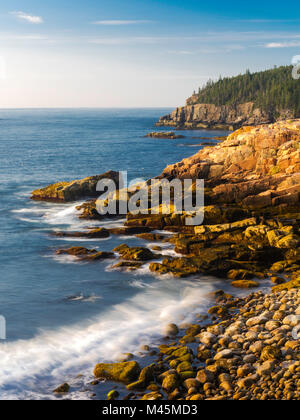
245,284
164,135
146,376
170,383
127,265
98,233
171,330
130,230
135,253
125,357
207,338
245,383
151,236
64,388
204,376
125,372
152,396
86,254
266,368
224,354
291,320
112,395
270,353
75,190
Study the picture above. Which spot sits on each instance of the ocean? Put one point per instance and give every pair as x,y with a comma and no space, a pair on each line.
63,316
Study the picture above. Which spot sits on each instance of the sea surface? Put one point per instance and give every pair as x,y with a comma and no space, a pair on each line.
63,316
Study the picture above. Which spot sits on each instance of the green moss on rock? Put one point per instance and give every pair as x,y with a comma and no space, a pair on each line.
125,372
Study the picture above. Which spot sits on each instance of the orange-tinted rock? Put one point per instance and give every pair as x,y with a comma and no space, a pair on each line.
75,190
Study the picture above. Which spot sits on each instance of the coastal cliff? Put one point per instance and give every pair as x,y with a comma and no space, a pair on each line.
232,102
255,166
209,116
241,348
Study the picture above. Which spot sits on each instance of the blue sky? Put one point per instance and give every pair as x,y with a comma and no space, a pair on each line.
100,53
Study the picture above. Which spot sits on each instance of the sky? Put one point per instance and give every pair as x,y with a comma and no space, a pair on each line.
135,53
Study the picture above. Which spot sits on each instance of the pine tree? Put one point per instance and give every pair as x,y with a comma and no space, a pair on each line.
271,90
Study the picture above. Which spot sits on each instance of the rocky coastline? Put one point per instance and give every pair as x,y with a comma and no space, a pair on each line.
164,135
248,350
212,117
244,348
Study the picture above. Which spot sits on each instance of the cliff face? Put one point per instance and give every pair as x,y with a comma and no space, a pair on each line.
255,166
195,116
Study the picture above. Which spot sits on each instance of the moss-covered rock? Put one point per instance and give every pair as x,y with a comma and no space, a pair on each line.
128,265
135,253
240,275
184,367
88,210
227,227
151,236
187,374
86,254
98,233
112,395
125,372
170,383
130,230
75,190
179,267
292,284
245,284
146,376
270,353
164,135
62,389
152,396
219,310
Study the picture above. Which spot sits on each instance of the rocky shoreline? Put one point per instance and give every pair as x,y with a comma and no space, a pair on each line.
246,348
164,135
195,116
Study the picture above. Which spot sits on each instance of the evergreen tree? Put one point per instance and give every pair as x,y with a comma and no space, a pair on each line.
271,90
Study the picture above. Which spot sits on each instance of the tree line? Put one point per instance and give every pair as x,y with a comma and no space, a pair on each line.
271,90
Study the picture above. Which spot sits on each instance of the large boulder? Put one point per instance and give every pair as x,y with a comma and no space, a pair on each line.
135,254
258,167
125,372
85,254
74,190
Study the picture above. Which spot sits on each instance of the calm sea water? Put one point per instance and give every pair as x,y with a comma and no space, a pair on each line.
63,316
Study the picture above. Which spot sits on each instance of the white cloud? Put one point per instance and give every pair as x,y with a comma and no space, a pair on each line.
119,22
269,20
22,37
29,18
283,44
128,41
208,50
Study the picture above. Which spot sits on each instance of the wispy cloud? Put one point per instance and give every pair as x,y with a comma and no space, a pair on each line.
22,37
120,22
233,40
128,40
28,17
283,44
270,20
208,50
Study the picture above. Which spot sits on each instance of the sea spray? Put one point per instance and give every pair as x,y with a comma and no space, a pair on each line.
57,356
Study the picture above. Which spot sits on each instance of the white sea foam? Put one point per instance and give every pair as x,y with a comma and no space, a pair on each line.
75,239
66,216
82,298
140,284
33,367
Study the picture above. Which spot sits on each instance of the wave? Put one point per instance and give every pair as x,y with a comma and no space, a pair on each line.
33,368
82,298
